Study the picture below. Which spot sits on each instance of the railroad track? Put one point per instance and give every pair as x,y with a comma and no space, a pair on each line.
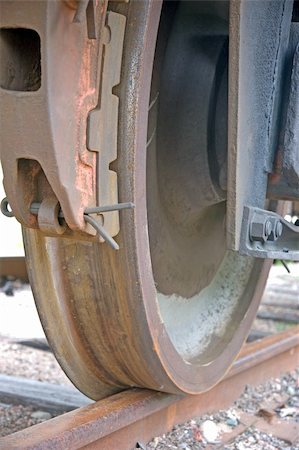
134,416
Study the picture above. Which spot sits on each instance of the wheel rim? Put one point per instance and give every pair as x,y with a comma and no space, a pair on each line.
100,308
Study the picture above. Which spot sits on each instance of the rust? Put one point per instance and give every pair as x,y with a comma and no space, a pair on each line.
14,266
44,124
103,312
48,217
103,320
135,415
72,4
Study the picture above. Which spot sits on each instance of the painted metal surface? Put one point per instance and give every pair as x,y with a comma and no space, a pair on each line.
284,181
255,82
265,234
136,415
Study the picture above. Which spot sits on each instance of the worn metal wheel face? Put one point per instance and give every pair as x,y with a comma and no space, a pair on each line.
171,309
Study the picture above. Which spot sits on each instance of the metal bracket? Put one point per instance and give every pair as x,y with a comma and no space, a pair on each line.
59,135
258,40
49,83
284,181
102,124
266,234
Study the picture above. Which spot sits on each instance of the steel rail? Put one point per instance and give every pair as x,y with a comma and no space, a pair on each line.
136,415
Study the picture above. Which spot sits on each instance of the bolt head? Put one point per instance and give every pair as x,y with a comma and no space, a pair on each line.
278,229
268,228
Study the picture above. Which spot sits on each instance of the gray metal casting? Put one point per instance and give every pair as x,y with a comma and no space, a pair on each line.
285,180
259,37
266,234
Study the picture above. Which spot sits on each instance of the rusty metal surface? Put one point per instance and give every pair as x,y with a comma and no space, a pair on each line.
103,321
14,266
106,320
102,121
138,415
100,310
49,83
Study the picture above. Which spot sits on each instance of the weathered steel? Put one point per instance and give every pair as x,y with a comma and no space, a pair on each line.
259,37
284,181
280,241
109,319
51,218
49,83
102,121
109,324
187,147
172,308
14,266
120,421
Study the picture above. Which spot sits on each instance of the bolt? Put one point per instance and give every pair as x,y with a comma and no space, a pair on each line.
278,229
268,228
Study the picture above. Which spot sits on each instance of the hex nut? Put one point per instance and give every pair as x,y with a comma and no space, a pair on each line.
260,228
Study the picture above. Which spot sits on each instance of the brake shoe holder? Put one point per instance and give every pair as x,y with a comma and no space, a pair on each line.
50,81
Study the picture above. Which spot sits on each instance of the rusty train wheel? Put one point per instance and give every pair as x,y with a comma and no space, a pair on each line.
171,309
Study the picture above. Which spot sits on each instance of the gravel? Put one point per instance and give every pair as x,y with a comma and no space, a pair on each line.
20,361
255,440
16,418
213,431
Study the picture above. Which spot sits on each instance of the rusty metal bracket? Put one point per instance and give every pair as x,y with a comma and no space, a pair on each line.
266,234
49,82
59,134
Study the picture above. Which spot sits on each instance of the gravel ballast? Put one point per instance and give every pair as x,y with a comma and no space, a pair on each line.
275,401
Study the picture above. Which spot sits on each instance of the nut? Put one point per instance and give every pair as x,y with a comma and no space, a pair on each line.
260,228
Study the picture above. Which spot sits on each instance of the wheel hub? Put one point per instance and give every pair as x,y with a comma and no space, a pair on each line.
187,148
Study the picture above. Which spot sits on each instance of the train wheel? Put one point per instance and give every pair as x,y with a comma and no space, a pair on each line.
170,310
